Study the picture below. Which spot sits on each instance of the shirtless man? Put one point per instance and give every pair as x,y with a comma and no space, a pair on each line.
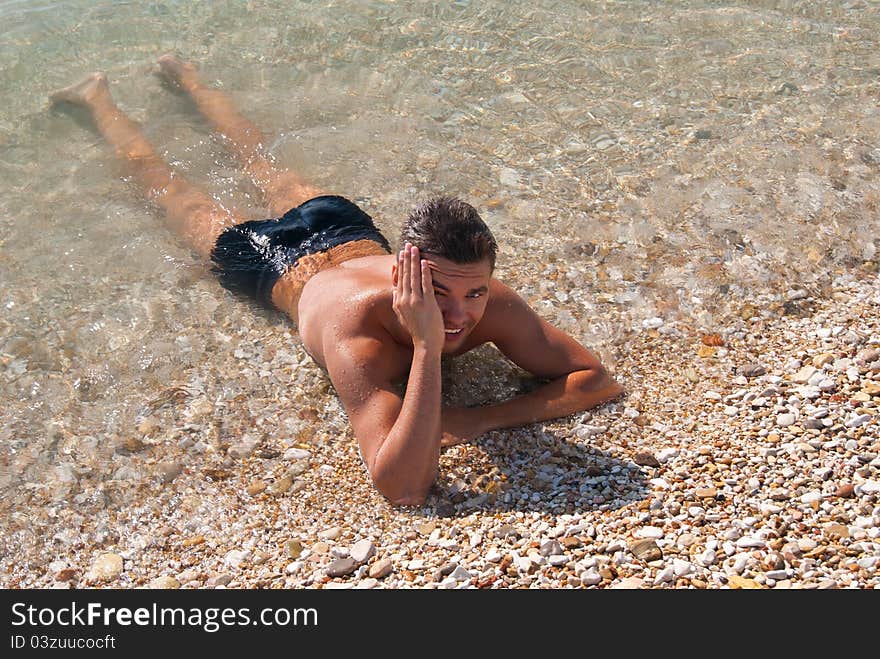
370,318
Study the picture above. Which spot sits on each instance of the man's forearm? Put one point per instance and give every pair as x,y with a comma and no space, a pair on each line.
406,463
574,392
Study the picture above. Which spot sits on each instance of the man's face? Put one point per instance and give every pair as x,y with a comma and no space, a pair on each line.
462,292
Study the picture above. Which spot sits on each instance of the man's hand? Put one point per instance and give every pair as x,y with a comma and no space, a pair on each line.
413,300
459,425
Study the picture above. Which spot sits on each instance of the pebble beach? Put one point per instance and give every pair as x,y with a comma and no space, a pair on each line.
689,189
746,458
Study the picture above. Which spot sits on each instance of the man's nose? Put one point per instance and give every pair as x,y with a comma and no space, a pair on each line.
453,312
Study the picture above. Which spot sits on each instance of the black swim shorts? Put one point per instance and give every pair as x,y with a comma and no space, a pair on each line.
250,257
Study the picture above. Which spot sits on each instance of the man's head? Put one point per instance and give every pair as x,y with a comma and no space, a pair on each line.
460,250
451,228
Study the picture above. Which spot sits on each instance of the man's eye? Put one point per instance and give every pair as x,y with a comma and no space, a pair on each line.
438,292
475,295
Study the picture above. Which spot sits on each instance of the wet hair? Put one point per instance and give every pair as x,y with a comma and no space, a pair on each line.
450,228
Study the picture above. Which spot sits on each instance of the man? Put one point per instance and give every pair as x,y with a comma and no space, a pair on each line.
370,318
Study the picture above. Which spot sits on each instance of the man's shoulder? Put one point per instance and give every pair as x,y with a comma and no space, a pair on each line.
505,304
505,313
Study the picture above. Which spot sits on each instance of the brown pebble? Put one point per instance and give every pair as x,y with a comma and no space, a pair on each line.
570,542
67,574
846,491
293,548
381,568
256,487
646,550
646,460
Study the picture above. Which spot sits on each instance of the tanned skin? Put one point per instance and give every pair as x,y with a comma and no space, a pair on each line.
373,322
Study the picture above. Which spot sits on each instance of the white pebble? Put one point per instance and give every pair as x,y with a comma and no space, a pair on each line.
665,575
649,532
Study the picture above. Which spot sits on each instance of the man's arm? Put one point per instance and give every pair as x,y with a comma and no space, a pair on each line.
578,381
399,439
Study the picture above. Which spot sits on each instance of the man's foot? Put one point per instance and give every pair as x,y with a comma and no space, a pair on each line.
83,92
175,70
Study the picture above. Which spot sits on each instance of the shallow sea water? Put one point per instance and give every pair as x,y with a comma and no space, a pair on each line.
698,162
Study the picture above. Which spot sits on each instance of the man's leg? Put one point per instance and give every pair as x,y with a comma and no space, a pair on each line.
282,189
190,212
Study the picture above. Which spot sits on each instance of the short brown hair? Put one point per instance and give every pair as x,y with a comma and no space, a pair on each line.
450,228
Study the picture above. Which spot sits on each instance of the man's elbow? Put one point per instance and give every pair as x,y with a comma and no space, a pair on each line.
597,383
400,492
398,497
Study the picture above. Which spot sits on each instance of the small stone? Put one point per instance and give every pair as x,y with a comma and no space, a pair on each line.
705,493
835,530
845,491
381,568
777,575
341,567
294,454
737,582
646,550
822,359
785,420
106,567
330,534
235,557
460,574
649,532
806,544
493,556
148,426
256,488
218,580
629,583
752,370
803,376
551,548
294,548
66,574
168,471
281,485
707,558
362,550
164,583
188,575
665,575
857,420
646,459
591,578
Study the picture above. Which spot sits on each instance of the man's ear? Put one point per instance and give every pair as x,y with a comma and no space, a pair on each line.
394,275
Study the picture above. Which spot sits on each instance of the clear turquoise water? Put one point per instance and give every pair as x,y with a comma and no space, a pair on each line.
637,159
